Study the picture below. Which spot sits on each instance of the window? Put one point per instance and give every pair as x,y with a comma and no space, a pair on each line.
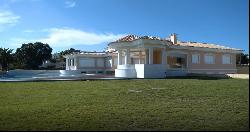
195,58
226,59
176,62
87,62
209,59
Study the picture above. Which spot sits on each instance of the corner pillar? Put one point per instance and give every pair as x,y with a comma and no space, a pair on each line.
151,55
127,56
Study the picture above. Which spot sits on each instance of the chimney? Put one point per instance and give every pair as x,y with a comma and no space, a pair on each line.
173,38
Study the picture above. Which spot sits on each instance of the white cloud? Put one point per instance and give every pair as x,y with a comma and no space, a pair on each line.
7,19
68,37
70,4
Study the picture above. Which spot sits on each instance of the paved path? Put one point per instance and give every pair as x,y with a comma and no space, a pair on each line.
242,76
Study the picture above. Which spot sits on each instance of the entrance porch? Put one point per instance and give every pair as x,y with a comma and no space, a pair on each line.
150,63
141,63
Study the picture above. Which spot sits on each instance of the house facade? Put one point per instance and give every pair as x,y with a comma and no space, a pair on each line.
152,57
92,62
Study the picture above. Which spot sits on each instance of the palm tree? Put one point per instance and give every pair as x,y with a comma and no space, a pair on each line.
6,57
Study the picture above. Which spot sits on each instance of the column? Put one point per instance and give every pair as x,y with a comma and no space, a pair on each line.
71,62
146,56
140,57
119,59
74,63
112,58
77,62
67,64
151,55
163,56
127,56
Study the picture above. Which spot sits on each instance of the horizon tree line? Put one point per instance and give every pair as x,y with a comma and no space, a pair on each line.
29,56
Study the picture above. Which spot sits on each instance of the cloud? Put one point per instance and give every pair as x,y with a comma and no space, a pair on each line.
70,4
8,19
69,37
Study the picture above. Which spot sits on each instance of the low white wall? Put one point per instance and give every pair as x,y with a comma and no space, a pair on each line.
126,71
154,71
129,66
141,71
71,68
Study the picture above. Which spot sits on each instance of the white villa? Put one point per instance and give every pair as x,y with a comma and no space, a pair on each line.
152,57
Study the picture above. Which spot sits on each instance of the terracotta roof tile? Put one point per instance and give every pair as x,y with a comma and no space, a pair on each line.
204,45
130,38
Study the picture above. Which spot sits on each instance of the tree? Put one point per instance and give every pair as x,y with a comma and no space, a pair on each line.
6,57
242,58
32,55
69,51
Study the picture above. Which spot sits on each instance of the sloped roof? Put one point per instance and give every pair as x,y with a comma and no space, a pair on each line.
130,38
204,45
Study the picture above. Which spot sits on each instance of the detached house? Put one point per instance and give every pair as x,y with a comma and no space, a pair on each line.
152,57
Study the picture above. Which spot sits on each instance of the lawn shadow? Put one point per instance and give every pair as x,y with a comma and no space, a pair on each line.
202,76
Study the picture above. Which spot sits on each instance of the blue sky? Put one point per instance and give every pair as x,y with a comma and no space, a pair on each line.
91,24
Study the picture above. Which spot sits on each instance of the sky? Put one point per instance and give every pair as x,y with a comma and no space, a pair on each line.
89,25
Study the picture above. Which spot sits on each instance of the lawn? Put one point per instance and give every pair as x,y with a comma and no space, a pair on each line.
150,104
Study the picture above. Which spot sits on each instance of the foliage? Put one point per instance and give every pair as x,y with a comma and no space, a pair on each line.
242,58
126,105
69,51
32,55
6,57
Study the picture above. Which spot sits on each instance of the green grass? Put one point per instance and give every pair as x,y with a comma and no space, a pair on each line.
153,104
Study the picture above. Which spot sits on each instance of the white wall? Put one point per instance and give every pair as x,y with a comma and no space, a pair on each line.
154,71
126,71
139,70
